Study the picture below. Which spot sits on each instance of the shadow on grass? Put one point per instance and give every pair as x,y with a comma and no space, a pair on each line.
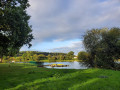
20,77
62,82
84,84
19,74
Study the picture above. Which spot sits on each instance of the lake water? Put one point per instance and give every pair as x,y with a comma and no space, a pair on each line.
72,65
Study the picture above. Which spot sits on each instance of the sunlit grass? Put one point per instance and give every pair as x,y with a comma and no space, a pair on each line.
29,77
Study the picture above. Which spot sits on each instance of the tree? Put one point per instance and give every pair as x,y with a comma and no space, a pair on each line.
35,57
53,57
70,55
103,46
14,28
49,57
61,57
83,55
24,57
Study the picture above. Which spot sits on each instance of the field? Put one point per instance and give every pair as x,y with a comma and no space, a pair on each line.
28,77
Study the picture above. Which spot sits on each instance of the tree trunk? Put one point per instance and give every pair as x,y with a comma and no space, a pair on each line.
95,62
1,59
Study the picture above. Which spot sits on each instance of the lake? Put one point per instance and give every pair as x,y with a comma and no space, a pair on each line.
72,65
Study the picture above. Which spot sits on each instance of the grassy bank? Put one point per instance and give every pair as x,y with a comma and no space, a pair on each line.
23,77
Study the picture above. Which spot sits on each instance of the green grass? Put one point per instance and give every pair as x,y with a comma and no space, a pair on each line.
29,77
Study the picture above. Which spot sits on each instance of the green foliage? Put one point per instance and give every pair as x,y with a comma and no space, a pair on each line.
53,58
61,56
41,57
49,57
26,56
103,46
35,57
14,28
83,55
70,55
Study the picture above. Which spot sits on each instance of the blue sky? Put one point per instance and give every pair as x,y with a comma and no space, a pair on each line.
58,25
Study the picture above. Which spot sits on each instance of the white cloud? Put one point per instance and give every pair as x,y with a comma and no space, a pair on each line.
63,20
60,20
75,46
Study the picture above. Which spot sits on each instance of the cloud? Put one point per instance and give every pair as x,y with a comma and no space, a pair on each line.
75,46
64,20
69,19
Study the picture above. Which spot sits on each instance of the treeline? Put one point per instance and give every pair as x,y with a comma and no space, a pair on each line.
26,56
38,53
68,56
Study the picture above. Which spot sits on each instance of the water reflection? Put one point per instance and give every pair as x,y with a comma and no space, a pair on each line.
72,65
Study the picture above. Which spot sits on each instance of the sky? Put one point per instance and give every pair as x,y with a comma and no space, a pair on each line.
59,25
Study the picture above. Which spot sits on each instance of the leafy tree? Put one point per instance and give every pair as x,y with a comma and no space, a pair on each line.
83,55
49,57
70,55
53,57
103,46
35,57
42,57
19,59
14,28
61,57
24,57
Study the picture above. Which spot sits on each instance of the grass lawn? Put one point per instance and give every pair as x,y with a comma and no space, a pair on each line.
27,77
